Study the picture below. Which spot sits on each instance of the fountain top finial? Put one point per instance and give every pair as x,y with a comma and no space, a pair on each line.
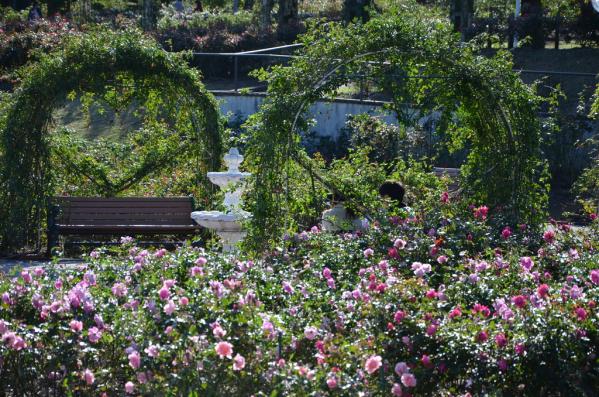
233,160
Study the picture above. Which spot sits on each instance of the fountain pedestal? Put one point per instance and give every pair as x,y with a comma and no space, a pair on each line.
227,225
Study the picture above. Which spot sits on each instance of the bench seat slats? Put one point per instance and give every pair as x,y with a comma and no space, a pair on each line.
117,229
121,216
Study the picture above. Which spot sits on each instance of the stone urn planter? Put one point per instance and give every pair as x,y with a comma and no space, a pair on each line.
338,219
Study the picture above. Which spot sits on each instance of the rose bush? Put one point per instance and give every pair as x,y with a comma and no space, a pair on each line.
444,303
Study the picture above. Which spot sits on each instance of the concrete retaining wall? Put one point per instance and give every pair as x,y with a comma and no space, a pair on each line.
330,116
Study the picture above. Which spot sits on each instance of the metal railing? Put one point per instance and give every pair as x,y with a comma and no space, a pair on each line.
265,53
272,57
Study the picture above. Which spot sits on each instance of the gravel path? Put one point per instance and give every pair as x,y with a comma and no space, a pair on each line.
7,266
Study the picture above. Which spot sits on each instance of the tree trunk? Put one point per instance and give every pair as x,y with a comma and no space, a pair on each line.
265,11
85,9
248,4
288,12
148,14
235,6
356,9
55,6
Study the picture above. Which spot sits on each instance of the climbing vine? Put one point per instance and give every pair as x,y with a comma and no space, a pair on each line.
179,121
417,60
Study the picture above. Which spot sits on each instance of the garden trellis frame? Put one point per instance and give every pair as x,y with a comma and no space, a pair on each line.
497,112
84,65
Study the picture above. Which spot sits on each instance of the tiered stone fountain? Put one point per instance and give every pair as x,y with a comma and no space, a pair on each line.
227,225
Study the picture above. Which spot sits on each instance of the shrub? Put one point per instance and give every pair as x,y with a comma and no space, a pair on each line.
425,303
22,43
205,22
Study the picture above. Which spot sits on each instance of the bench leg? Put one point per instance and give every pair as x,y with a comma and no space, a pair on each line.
52,229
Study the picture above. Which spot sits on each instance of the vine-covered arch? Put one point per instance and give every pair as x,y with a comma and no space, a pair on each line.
118,68
483,106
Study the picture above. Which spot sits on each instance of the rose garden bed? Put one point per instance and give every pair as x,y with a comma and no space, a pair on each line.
439,304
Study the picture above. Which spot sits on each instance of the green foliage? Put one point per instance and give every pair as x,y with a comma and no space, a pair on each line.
483,106
9,15
587,185
391,141
205,22
180,122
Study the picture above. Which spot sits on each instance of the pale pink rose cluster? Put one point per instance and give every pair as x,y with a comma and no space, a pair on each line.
421,269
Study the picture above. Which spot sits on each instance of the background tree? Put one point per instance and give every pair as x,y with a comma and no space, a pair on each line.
288,12
356,9
265,12
57,6
149,14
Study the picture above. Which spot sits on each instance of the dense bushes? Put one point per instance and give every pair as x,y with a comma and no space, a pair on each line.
20,43
441,302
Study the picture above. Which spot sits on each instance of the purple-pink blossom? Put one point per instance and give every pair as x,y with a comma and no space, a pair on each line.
238,362
408,380
134,359
89,377
373,363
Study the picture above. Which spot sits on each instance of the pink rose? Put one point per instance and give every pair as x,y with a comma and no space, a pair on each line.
26,276
401,368
164,293
76,326
238,362
310,332
543,290
196,270
218,331
170,308
332,382
89,377
526,262
506,233
94,334
501,340
373,363
129,387
134,359
581,314
519,301
119,290
444,199
396,390
408,380
481,212
399,244
152,351
549,236
224,349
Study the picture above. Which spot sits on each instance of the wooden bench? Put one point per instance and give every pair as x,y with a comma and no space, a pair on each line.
127,216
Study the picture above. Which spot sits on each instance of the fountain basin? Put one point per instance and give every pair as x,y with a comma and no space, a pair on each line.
227,226
219,221
223,179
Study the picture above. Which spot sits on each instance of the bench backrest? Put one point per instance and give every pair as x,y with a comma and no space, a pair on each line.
124,211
